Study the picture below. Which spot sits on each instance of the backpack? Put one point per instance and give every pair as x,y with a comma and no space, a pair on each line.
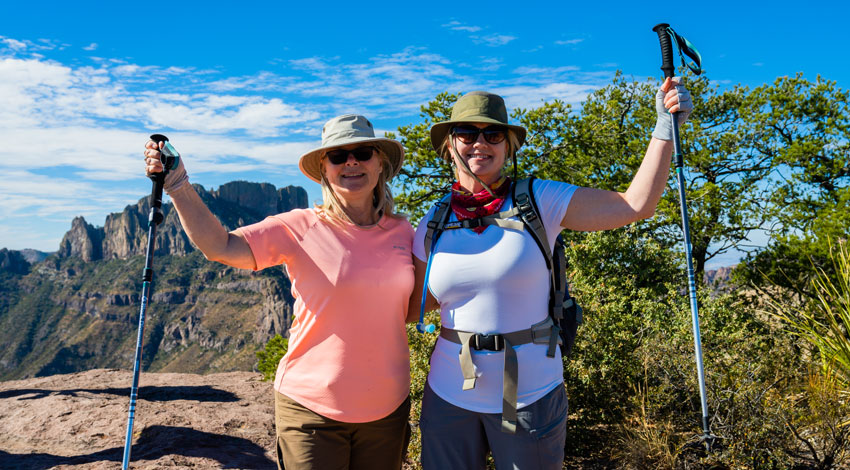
564,311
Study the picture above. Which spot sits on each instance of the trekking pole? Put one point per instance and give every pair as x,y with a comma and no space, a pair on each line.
665,33
170,158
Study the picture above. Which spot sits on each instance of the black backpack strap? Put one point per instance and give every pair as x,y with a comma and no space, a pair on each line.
437,224
529,213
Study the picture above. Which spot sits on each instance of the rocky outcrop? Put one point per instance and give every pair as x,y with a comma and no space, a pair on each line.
124,234
13,261
82,241
719,279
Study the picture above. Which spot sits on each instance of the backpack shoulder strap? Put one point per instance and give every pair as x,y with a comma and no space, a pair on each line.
437,223
529,213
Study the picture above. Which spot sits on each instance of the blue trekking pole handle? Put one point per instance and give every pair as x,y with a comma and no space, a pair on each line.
169,156
664,38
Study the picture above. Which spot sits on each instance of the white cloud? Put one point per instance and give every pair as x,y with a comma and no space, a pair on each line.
14,44
45,94
545,71
458,26
494,40
90,47
569,42
531,96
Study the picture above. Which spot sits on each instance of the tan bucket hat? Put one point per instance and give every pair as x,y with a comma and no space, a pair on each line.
345,130
478,107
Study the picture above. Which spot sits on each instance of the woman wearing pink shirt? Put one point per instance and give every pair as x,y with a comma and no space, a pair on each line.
342,389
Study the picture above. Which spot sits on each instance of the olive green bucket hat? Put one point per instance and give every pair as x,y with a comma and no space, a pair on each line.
476,107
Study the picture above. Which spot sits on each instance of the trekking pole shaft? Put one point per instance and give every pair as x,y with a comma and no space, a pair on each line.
678,160
692,291
154,220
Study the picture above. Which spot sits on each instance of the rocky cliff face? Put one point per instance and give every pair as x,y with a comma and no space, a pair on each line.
79,309
13,262
124,234
82,241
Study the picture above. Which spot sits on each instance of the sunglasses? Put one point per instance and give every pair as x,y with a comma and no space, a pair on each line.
340,156
469,134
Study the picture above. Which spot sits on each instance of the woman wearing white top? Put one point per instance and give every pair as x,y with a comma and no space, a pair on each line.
491,281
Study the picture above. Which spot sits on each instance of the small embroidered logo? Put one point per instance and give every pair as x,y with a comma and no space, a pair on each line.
399,247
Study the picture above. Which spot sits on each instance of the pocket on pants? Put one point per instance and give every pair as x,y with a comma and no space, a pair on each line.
546,417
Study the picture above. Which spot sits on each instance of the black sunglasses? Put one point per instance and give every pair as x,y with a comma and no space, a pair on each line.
469,134
340,156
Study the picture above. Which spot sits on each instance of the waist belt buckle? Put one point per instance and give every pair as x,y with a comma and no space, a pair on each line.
493,342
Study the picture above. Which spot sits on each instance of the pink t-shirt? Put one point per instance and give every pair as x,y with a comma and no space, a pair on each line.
348,357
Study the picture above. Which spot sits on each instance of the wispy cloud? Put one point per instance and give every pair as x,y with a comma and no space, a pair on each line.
30,46
532,96
458,26
91,47
494,40
569,42
14,44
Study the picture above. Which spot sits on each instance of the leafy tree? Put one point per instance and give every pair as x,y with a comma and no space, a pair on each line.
804,128
602,144
425,177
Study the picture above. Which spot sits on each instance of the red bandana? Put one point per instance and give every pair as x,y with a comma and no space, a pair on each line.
468,205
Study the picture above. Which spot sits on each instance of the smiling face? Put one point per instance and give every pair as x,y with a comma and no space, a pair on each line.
353,181
485,160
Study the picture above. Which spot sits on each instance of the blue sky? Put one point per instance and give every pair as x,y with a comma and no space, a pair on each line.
242,88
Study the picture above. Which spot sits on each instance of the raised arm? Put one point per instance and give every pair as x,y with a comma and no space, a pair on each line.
202,227
594,209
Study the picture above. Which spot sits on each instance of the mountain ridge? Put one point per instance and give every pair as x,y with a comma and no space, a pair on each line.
77,309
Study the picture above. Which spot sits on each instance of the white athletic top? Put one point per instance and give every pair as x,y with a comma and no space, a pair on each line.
496,282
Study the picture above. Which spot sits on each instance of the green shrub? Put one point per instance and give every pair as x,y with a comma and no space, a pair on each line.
269,357
421,346
825,324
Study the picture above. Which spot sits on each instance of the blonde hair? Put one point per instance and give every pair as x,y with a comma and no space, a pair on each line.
382,196
512,142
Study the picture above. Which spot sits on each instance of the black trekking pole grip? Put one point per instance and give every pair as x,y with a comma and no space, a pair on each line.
158,180
666,49
166,165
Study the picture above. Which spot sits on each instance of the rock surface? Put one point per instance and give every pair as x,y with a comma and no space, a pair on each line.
13,262
78,421
124,234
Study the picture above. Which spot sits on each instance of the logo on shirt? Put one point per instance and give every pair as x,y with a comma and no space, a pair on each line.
399,247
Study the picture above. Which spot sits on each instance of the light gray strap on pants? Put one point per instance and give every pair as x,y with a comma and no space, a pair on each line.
538,333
